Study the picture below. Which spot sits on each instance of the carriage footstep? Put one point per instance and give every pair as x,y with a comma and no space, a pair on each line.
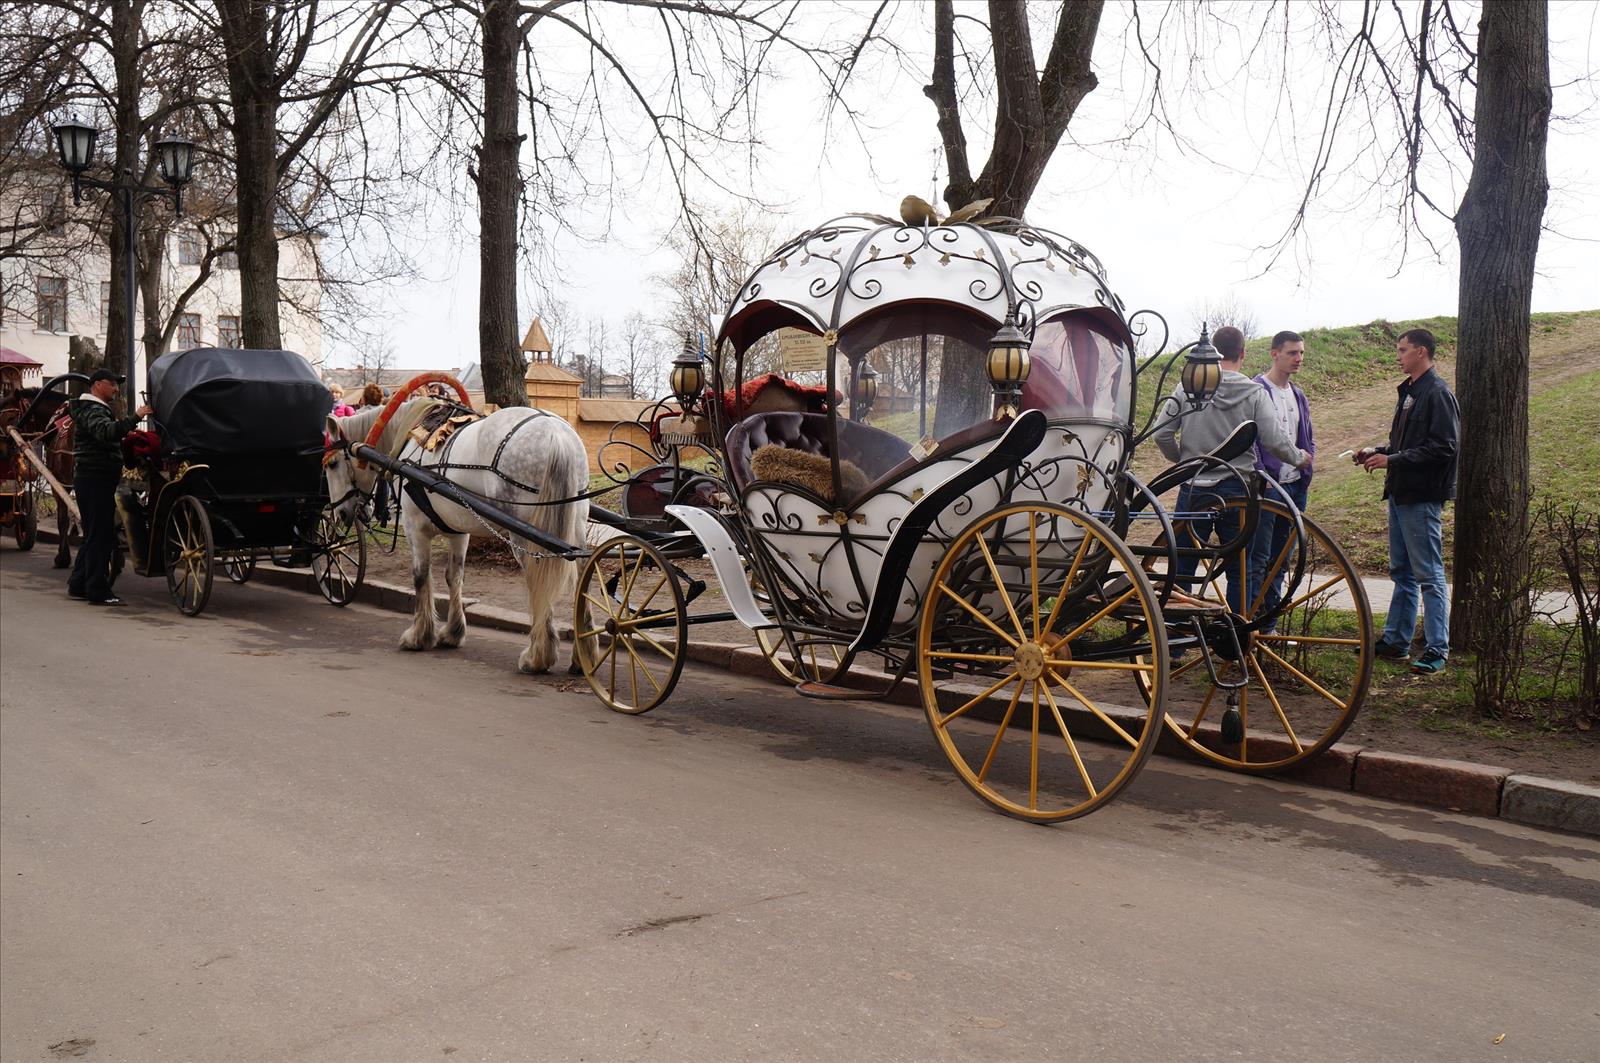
828,692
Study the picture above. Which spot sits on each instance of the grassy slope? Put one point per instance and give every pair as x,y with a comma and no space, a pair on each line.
1349,377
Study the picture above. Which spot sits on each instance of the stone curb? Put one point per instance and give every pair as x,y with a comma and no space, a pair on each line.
1459,786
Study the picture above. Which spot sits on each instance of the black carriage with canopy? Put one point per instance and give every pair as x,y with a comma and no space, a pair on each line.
232,473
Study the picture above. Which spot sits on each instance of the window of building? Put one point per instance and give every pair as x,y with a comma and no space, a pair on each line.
228,331
228,259
188,330
190,249
52,304
53,211
105,307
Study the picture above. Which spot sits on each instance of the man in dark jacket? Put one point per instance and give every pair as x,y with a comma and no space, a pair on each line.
1419,466
97,466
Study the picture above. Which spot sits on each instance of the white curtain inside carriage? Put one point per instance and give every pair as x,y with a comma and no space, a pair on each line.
832,552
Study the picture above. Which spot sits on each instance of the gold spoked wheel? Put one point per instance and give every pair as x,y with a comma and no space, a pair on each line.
1307,657
631,625
339,563
1046,610
818,662
187,551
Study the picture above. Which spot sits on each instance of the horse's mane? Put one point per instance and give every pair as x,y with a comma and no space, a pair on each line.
393,438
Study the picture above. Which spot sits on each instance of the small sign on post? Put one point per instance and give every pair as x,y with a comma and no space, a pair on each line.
801,352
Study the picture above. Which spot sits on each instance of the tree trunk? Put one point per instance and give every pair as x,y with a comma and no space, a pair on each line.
151,265
1498,227
254,92
1032,112
498,194
125,164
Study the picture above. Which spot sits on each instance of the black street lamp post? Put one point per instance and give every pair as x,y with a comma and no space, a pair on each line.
174,160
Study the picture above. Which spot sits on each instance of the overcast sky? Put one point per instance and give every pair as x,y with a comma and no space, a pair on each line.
1174,224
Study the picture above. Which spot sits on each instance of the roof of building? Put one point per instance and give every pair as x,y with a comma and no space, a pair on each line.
10,357
536,340
549,372
612,409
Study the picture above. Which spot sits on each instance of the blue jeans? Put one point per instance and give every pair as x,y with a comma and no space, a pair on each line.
1210,532
1416,562
1271,534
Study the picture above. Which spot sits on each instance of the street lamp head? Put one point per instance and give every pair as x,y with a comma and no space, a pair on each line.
175,159
75,142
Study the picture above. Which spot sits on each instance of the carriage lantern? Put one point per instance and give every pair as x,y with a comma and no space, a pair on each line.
866,393
1008,365
1202,371
688,379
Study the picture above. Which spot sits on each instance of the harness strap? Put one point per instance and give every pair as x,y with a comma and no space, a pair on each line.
419,494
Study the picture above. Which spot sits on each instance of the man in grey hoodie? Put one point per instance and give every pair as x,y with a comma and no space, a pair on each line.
1186,435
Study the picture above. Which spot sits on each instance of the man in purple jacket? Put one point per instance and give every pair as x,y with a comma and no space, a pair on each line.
1294,418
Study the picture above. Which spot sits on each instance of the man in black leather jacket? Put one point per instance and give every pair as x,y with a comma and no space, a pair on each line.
97,466
1419,466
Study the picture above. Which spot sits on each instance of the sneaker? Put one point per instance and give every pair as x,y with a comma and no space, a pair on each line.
1390,652
110,599
1429,663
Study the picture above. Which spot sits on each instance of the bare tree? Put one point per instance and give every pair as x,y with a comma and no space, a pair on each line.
709,273
1032,109
1227,309
639,356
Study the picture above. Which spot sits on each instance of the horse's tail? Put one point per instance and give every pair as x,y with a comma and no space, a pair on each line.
565,476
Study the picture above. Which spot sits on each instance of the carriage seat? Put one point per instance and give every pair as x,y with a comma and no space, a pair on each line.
872,450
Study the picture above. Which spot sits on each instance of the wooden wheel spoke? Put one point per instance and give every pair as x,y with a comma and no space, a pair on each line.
1066,585
603,605
1000,586
649,598
1182,668
978,700
1117,666
628,645
1099,713
1000,732
1272,696
990,624
1308,595
1033,573
1319,639
1205,705
944,655
1033,753
1272,573
1307,680
653,644
1101,615
1072,747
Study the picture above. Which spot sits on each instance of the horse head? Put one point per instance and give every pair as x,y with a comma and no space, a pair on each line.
348,482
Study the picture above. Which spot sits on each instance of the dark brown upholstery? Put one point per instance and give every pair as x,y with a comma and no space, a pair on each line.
873,450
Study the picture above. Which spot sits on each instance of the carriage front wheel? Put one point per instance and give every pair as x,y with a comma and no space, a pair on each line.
339,560
1046,610
239,567
187,551
630,625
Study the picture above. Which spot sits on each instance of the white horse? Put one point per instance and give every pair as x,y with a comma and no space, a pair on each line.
511,448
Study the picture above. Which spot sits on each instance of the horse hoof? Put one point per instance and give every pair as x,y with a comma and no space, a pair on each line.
452,638
527,664
408,642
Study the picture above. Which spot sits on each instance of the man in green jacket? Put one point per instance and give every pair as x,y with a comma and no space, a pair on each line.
97,466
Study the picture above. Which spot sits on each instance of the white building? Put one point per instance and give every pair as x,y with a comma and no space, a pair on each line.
50,298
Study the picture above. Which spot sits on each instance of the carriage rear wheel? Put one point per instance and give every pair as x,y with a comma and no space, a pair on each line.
188,552
25,514
1048,610
630,625
814,661
1307,661
339,564
239,567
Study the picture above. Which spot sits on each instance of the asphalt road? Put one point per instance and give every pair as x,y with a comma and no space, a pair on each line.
266,834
